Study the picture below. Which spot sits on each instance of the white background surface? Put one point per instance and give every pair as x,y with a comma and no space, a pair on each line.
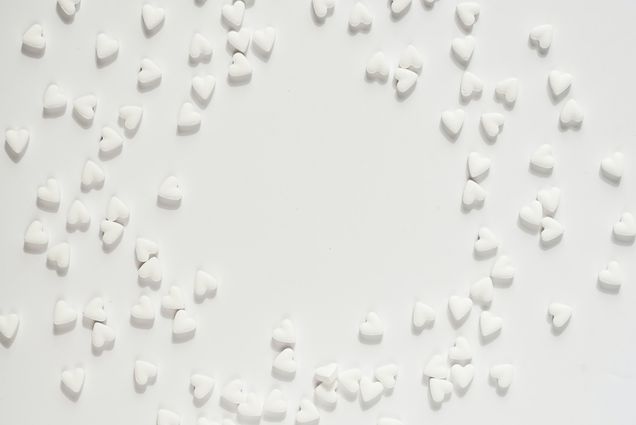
314,194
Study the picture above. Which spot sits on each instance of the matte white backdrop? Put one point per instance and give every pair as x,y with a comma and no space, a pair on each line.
314,194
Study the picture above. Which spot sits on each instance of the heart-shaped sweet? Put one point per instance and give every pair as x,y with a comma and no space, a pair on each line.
167,417
189,118
239,40
508,90
9,324
102,335
321,7
370,391
360,17
152,17
571,115
111,231
461,351
36,237
59,256
473,194
325,394
459,307
73,379
63,314
612,166
17,140
437,367
467,12
399,6
170,190
549,199
551,231
106,47
462,376
492,122
531,214
117,211
78,216
144,249
84,107
145,372
95,311
33,38
69,7
378,66
92,176
205,285
50,194
453,121
625,228
471,85
240,68
489,324
264,40
131,116
233,13
541,36
439,389
307,413
285,362
560,313
405,80
349,380
463,48
423,315
482,291
275,405
327,373
612,276
251,408
173,300
387,375
502,271
559,82
144,309
53,99
543,159
372,326
411,59
486,242
203,86
150,271
200,48
149,74
183,323
478,165
233,393
202,386
502,374
110,141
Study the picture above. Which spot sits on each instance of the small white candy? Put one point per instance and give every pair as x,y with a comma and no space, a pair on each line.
111,231
321,7
149,74
233,13
53,99
439,389
327,373
173,300
200,48
17,140
144,372
59,256
423,315
251,408
183,324
508,90
461,351
437,367
63,314
170,190
549,199
144,310
33,39
307,412
167,417
49,195
84,107
102,335
463,48
360,17
467,13
399,6
326,395
411,59
552,230
150,271
482,291
92,176
9,324
152,17
571,115
492,122
73,380
69,7
378,66
189,118
117,211
453,121
559,82
542,159
502,271
131,116
478,165
486,243
502,374
284,335
239,40
531,214
372,327
240,69
473,195
625,228
405,80
233,393
387,375
612,276
106,47
462,376
110,142
95,311
541,36
202,386
370,391
489,324
459,307
36,238
205,284
264,40
471,85
612,166
203,86
349,381
275,405
285,363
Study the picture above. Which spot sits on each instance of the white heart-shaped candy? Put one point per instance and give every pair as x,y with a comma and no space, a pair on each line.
459,307
492,122
233,13
117,211
461,351
349,380
106,47
202,386
205,284
531,214
478,165
439,389
183,323
112,232
549,199
84,106
502,271
387,375
489,324
200,48
508,90
541,36
9,324
33,38
275,404
53,99
399,6
370,391
95,311
411,59
174,300
612,166
78,215
264,40
473,194
625,228
59,256
571,115
203,86
150,271
240,68
327,373
560,313
463,48
502,374
152,17
372,326
189,118
170,190
423,315
360,16
167,417
486,243
131,116
471,85
321,7
559,82
144,309
542,159
63,314
92,176
233,393
36,237
307,412
285,362
17,140
551,231
69,7
378,66
149,74
482,291
239,40
467,13
326,395
110,141
102,335
612,276
462,376
437,367
73,379
405,80
50,194
144,372
251,408
453,121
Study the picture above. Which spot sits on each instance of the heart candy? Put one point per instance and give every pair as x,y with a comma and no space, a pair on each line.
378,66
144,310
233,13
625,229
49,195
149,74
36,238
571,115
117,211
152,17
486,242
167,417
63,314
106,47
144,372
502,271
459,307
463,48
471,85
612,276
203,86
612,166
559,82
110,141
150,271
285,363
467,12
17,140
202,386
9,324
325,394
53,99
263,40
73,379
205,284
439,389
173,300
111,231
183,324
399,6
307,413
233,393
405,80
102,335
189,118
240,69
508,90
33,38
200,48
473,194
531,215
370,391
251,408
489,324
84,107
461,351
560,313
275,405
349,380
92,176
131,115
322,7
372,327
411,59
541,36
462,376
239,40
549,199
423,315
69,7
327,373
502,374
453,121
552,230
95,311
542,159
387,375
492,122
59,256
482,291
170,190
145,249
360,17
437,367
478,165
